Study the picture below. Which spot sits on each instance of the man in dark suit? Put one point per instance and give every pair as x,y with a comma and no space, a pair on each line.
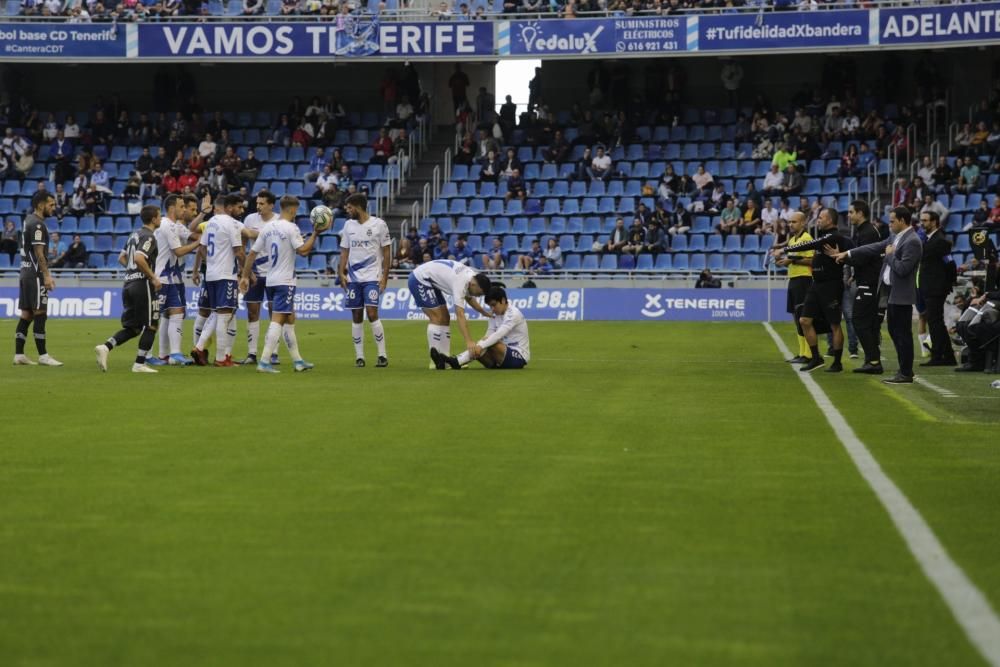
935,283
901,255
867,323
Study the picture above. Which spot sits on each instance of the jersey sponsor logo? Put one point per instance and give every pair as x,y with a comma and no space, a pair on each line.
38,235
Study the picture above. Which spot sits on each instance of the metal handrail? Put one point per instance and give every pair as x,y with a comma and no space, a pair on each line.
427,197
436,180
415,214
911,141
935,151
952,133
914,165
871,173
893,156
447,168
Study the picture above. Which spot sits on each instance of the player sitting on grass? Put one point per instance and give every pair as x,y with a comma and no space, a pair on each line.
280,241
505,345
428,285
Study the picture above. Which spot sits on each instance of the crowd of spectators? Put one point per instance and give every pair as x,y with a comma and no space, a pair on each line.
95,11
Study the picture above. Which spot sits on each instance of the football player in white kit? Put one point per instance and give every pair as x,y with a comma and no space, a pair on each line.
254,298
280,242
505,345
365,258
428,284
173,241
222,250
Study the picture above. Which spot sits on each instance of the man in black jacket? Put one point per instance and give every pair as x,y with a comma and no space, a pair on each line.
935,283
823,300
867,322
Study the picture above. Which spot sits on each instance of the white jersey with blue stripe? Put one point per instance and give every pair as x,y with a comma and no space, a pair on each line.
255,222
223,234
447,275
512,329
277,242
169,236
364,243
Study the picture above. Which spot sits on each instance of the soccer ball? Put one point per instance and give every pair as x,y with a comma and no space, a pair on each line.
321,218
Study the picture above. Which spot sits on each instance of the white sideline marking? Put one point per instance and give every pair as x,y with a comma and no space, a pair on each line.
946,393
967,603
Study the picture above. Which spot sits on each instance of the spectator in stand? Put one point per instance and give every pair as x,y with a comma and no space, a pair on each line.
316,165
288,8
718,199
656,239
558,150
751,222
968,177
774,181
94,202
461,253
327,185
707,281
486,144
944,176
207,148
61,153
617,240
71,130
123,127
144,167
963,139
669,184
253,7
441,250
516,187
848,163
600,166
581,172
703,180
57,247
553,253
382,147
9,240
793,181
769,218
344,179
400,149
188,180
926,171
496,258
636,238
101,181
304,133
78,202
678,221
919,189
281,135
783,156
231,165
62,201
981,216
530,259
5,167
24,156
490,169
195,162
101,131
730,218
931,205
250,168
752,193
510,163
75,256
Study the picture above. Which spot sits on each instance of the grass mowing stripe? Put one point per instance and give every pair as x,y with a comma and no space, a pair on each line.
911,407
967,603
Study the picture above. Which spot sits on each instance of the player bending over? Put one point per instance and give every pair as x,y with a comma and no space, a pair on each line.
365,257
280,241
505,345
141,310
428,284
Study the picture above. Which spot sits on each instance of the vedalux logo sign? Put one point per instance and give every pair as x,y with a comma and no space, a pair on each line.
534,39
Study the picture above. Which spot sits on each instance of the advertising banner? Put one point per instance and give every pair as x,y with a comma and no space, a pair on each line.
344,37
61,40
654,34
946,23
584,303
782,30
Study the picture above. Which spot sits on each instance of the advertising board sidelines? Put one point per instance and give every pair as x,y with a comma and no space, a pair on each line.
568,304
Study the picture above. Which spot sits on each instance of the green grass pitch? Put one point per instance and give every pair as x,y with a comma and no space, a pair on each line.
642,494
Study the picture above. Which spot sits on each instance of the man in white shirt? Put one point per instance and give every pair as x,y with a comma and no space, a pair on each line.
254,298
279,244
326,184
505,345
365,258
600,166
769,217
773,181
428,285
206,149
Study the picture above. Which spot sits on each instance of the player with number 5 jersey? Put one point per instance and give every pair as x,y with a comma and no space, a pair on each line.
279,242
365,251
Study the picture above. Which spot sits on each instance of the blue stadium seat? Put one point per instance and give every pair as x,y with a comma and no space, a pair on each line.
680,243
664,262
644,262
696,243
733,244
716,261
626,262
733,263
571,263
681,262
714,243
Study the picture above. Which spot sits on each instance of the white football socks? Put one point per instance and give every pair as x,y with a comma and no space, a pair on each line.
439,337
207,330
230,334
199,326
220,336
271,340
163,334
378,332
358,335
291,341
464,358
175,328
253,333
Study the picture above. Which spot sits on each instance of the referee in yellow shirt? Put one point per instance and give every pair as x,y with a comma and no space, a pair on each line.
799,278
